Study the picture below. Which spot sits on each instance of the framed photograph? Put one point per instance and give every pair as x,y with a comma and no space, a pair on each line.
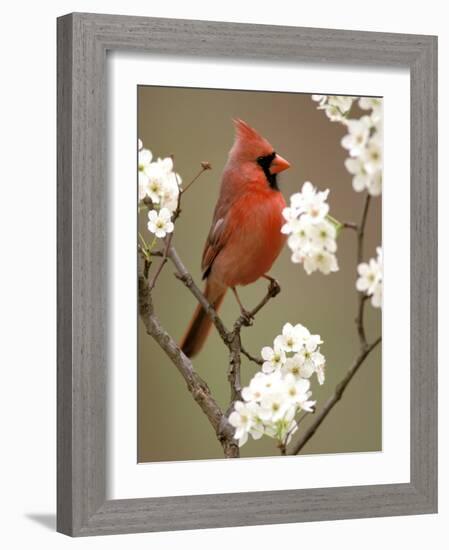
247,274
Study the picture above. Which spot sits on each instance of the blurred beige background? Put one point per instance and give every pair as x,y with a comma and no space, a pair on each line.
195,125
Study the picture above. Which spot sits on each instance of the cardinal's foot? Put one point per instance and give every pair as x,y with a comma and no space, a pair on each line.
274,288
247,317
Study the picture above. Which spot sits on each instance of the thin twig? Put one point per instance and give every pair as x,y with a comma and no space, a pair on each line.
361,228
334,399
361,296
204,166
341,225
282,448
251,357
142,251
159,268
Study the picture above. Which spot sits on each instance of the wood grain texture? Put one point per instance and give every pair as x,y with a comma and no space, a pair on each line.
83,40
64,278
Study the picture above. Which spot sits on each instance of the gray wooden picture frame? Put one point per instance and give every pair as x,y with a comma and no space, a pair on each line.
83,41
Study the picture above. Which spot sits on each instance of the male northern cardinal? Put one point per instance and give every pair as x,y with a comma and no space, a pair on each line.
245,237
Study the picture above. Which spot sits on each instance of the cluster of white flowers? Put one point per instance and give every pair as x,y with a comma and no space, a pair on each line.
281,390
363,140
336,107
364,143
312,236
371,278
159,183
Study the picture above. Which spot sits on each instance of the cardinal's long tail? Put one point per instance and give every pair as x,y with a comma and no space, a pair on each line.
201,323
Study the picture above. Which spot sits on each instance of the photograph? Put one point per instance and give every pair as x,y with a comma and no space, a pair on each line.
259,252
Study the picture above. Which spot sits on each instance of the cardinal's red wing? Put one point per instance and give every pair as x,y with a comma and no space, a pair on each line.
215,241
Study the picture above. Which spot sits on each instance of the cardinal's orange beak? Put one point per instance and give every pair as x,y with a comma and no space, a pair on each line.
279,164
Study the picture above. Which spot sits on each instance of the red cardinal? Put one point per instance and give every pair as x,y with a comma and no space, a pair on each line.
245,237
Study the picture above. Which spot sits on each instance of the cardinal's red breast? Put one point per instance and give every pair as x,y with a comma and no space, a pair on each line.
254,238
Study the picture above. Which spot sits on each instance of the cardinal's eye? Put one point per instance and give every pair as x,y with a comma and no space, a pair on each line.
266,160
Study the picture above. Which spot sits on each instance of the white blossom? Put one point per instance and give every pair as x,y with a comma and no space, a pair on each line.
309,203
371,155
300,237
170,192
293,224
356,139
160,222
256,388
369,275
273,357
312,237
333,113
157,180
323,236
374,104
361,179
320,373
291,339
144,160
310,361
154,187
320,260
274,406
370,279
376,298
296,389
336,107
276,394
321,99
375,184
363,140
295,366
243,418
343,102
311,341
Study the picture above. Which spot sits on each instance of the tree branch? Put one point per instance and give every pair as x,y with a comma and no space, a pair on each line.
235,344
235,362
334,399
362,297
195,384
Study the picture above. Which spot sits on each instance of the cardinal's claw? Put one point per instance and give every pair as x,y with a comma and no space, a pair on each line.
247,318
274,288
